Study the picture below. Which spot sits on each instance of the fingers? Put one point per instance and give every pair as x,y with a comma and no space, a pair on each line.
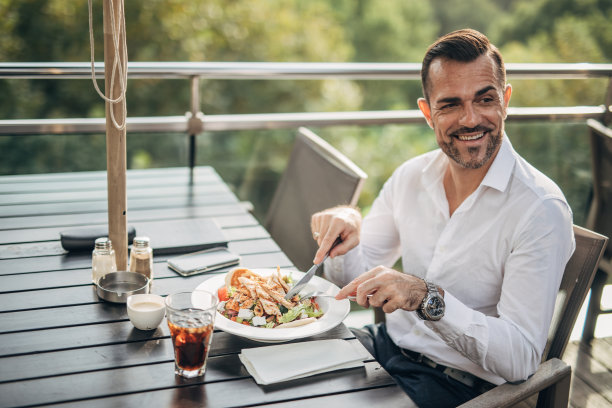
319,231
327,225
386,288
327,245
391,305
320,254
348,290
370,290
353,287
316,226
343,247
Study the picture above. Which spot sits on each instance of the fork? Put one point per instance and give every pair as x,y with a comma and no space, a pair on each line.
325,294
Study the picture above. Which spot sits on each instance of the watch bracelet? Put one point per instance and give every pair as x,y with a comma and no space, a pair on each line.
431,288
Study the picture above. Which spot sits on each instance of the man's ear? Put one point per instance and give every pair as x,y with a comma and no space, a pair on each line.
424,107
507,95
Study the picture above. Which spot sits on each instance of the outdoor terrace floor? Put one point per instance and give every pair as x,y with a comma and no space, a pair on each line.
591,385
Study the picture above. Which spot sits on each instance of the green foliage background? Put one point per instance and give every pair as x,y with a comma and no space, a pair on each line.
295,31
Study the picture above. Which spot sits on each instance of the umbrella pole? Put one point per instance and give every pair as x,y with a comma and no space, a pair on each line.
115,141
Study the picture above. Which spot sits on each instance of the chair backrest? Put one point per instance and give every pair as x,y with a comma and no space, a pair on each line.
575,285
317,177
600,217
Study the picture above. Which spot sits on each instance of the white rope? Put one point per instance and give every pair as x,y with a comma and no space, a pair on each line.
120,63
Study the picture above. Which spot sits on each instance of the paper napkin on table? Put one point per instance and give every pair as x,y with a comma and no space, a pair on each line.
272,364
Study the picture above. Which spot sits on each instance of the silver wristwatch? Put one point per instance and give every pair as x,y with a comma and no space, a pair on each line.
432,306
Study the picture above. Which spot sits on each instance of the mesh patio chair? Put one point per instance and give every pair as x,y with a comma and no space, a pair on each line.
317,177
599,219
552,379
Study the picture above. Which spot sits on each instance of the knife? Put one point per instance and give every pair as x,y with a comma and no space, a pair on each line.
300,285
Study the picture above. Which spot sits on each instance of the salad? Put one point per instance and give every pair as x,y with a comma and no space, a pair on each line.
253,300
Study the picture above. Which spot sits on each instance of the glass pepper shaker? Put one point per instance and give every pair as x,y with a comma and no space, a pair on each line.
141,257
103,259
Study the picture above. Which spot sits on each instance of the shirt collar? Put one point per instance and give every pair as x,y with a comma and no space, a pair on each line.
502,167
434,170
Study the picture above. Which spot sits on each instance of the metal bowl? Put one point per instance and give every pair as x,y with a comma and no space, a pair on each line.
117,286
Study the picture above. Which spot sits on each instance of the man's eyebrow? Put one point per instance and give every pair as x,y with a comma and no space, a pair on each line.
456,99
451,99
485,90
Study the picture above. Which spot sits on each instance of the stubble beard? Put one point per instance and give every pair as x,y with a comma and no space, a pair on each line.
451,150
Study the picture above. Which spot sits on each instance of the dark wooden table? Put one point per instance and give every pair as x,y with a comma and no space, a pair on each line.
59,343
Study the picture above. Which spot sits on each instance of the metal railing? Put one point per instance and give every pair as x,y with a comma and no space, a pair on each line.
195,122
283,70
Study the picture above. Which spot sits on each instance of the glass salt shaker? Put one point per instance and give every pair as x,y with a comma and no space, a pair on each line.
103,259
141,257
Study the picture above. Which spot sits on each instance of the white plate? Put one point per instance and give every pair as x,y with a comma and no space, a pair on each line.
334,311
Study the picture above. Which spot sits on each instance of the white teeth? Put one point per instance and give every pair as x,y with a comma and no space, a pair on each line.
473,137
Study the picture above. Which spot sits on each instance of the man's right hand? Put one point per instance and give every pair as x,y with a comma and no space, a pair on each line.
327,225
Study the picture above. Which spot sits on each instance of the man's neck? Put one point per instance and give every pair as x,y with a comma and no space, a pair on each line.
460,182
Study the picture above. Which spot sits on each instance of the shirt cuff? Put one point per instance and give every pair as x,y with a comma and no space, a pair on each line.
463,329
456,321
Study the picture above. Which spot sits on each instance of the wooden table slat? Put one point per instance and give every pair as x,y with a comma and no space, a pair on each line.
383,396
22,210
79,220
13,266
85,294
238,392
148,348
50,248
77,199
78,277
96,191
12,344
134,184
388,396
180,173
19,236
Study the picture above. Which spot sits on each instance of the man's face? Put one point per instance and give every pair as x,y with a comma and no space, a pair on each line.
466,109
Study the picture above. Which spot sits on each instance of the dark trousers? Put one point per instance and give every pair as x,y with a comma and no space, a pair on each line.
427,386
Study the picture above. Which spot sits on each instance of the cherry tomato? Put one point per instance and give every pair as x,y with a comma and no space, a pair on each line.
222,294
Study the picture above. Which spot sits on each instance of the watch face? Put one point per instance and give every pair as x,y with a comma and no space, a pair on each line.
435,307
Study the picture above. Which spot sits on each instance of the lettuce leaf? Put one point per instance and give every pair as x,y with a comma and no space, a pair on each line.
311,312
295,312
292,314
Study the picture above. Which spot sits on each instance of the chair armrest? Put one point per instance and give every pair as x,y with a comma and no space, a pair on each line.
552,373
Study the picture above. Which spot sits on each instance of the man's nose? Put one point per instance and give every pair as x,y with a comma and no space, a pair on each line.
469,116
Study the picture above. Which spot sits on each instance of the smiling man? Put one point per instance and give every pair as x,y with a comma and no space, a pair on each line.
483,237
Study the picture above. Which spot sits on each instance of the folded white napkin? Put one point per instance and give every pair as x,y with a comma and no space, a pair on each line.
272,364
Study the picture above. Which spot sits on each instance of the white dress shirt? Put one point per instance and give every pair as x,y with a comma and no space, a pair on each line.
499,258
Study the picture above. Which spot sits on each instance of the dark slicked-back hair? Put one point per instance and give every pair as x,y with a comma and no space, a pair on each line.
462,45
